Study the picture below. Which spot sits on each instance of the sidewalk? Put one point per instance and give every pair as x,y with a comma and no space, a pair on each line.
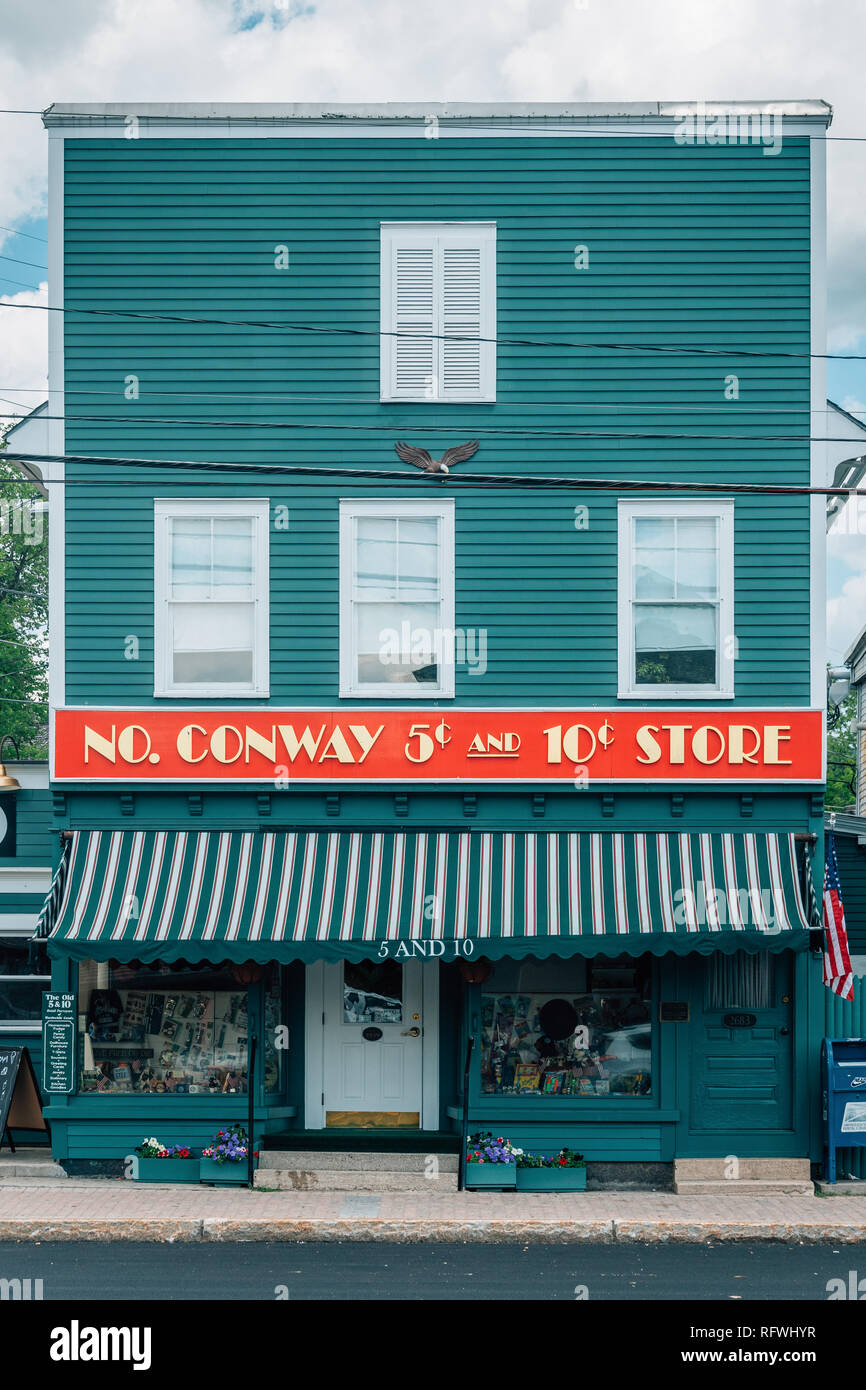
35,1209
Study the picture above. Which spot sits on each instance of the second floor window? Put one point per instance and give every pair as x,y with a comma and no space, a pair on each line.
397,599
438,280
211,597
676,600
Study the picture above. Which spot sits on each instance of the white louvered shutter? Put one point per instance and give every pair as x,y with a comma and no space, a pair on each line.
460,350
413,359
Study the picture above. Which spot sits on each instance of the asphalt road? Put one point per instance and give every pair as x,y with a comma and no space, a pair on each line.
372,1272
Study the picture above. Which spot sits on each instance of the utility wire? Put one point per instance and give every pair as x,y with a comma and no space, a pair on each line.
34,264
485,432
294,398
460,479
444,337
31,236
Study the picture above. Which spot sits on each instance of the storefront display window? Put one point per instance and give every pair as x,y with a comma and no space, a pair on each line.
22,980
172,1029
275,1044
567,1028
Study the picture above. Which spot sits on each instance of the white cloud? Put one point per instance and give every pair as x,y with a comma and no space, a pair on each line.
23,354
846,616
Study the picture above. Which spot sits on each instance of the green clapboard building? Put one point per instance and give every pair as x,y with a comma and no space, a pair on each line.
429,667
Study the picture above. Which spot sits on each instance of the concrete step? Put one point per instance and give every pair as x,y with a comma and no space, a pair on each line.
689,1169
353,1180
26,1165
365,1161
743,1187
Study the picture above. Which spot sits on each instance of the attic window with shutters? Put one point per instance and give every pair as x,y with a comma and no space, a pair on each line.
438,311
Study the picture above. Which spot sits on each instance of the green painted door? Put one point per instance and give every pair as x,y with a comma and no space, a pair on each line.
741,1034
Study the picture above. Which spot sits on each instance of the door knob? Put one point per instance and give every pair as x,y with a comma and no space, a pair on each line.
784,1032
411,1033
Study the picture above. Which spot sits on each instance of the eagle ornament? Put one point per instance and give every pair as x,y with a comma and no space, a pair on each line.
420,458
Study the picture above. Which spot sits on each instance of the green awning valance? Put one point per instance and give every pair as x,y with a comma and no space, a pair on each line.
152,895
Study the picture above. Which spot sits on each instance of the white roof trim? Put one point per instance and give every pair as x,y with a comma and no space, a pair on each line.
538,118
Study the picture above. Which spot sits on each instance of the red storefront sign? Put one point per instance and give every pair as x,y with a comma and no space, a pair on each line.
432,745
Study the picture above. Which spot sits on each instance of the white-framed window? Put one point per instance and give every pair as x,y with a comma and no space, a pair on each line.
25,972
438,280
676,600
397,598
211,597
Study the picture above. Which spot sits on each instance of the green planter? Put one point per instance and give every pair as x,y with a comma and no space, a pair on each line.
551,1179
167,1170
223,1174
491,1175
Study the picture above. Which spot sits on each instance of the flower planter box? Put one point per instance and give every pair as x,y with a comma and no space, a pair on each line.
167,1170
551,1179
491,1175
224,1174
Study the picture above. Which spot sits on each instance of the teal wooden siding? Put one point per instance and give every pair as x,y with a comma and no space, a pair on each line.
851,859
33,845
688,246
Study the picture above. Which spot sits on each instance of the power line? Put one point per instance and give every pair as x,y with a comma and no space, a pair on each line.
415,336
31,236
485,432
292,398
23,593
464,479
34,264
20,283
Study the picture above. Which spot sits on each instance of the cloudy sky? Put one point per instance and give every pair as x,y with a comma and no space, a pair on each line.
392,50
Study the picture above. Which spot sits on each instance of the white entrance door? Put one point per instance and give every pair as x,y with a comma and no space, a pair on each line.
373,1047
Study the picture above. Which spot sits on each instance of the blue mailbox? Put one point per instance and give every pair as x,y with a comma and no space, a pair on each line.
843,1092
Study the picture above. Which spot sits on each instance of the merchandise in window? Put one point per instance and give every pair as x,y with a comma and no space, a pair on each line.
165,1029
275,1042
23,978
584,1031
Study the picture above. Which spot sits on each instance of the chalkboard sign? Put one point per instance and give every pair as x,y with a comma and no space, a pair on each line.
58,1044
20,1102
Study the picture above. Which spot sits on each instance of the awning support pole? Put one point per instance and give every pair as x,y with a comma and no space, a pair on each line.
251,1108
464,1131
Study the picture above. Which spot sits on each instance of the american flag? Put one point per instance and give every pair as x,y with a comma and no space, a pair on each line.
837,961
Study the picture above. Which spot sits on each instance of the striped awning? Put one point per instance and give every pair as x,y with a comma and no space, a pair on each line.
151,895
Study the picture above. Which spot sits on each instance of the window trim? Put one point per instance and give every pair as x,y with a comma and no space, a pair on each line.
407,233
627,511
166,509
350,508
18,1025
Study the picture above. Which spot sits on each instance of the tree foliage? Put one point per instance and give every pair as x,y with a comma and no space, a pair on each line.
23,614
842,756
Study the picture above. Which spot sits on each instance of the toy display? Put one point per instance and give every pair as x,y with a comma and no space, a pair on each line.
598,1043
180,1043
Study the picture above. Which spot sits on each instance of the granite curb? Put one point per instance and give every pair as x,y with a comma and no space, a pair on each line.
426,1229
